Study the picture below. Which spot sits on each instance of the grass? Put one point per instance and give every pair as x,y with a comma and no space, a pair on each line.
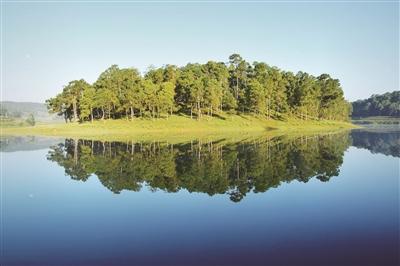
177,127
13,122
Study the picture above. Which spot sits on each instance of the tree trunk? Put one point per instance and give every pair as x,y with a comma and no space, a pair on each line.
91,116
237,87
198,110
132,113
74,106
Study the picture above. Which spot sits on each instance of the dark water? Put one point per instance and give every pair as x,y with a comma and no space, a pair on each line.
311,200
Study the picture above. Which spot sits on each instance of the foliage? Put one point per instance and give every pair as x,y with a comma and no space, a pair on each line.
30,120
203,89
387,104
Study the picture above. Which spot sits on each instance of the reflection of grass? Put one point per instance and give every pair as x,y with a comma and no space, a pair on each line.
177,127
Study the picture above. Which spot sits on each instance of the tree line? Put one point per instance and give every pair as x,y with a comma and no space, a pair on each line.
6,115
202,89
387,104
234,169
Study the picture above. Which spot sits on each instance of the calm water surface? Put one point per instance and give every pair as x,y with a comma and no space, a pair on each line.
311,200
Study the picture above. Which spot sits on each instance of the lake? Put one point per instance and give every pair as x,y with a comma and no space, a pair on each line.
329,199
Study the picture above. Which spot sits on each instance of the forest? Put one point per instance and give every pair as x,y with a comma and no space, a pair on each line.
387,104
198,90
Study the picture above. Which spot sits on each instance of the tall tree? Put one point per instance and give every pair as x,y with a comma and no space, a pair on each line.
211,88
108,87
87,102
238,69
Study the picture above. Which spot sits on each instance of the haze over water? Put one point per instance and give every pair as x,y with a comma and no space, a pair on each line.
328,199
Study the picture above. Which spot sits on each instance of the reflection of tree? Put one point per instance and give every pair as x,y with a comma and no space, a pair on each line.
67,156
387,143
212,167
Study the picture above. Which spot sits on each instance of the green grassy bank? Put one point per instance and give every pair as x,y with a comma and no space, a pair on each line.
177,127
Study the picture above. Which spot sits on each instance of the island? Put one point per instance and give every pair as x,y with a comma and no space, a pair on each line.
214,97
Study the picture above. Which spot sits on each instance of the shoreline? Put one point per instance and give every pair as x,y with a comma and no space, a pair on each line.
178,127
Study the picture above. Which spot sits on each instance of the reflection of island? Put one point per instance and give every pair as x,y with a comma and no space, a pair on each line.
384,142
213,167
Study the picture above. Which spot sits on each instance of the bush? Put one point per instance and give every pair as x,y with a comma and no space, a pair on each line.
30,120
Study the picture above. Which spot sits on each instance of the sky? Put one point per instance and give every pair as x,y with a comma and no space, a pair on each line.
46,45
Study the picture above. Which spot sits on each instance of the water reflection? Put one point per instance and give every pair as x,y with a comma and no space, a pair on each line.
215,167
351,220
384,142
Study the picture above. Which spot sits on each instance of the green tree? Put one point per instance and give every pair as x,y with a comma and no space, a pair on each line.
257,97
211,88
87,102
130,94
108,88
238,69
166,95
308,94
387,104
30,120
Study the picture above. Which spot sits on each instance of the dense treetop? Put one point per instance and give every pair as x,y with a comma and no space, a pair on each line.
387,104
202,89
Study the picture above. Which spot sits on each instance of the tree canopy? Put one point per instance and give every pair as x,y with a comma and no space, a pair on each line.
387,104
202,89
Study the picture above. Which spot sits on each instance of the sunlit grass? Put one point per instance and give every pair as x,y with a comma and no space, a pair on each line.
178,127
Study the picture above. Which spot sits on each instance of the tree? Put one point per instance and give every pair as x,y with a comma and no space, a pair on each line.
238,69
67,102
87,102
57,105
3,112
308,94
292,94
30,120
190,89
166,95
217,90
130,91
72,93
150,97
276,93
211,88
257,97
108,90
387,104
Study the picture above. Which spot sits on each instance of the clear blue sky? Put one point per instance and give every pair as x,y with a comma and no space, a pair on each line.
45,45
